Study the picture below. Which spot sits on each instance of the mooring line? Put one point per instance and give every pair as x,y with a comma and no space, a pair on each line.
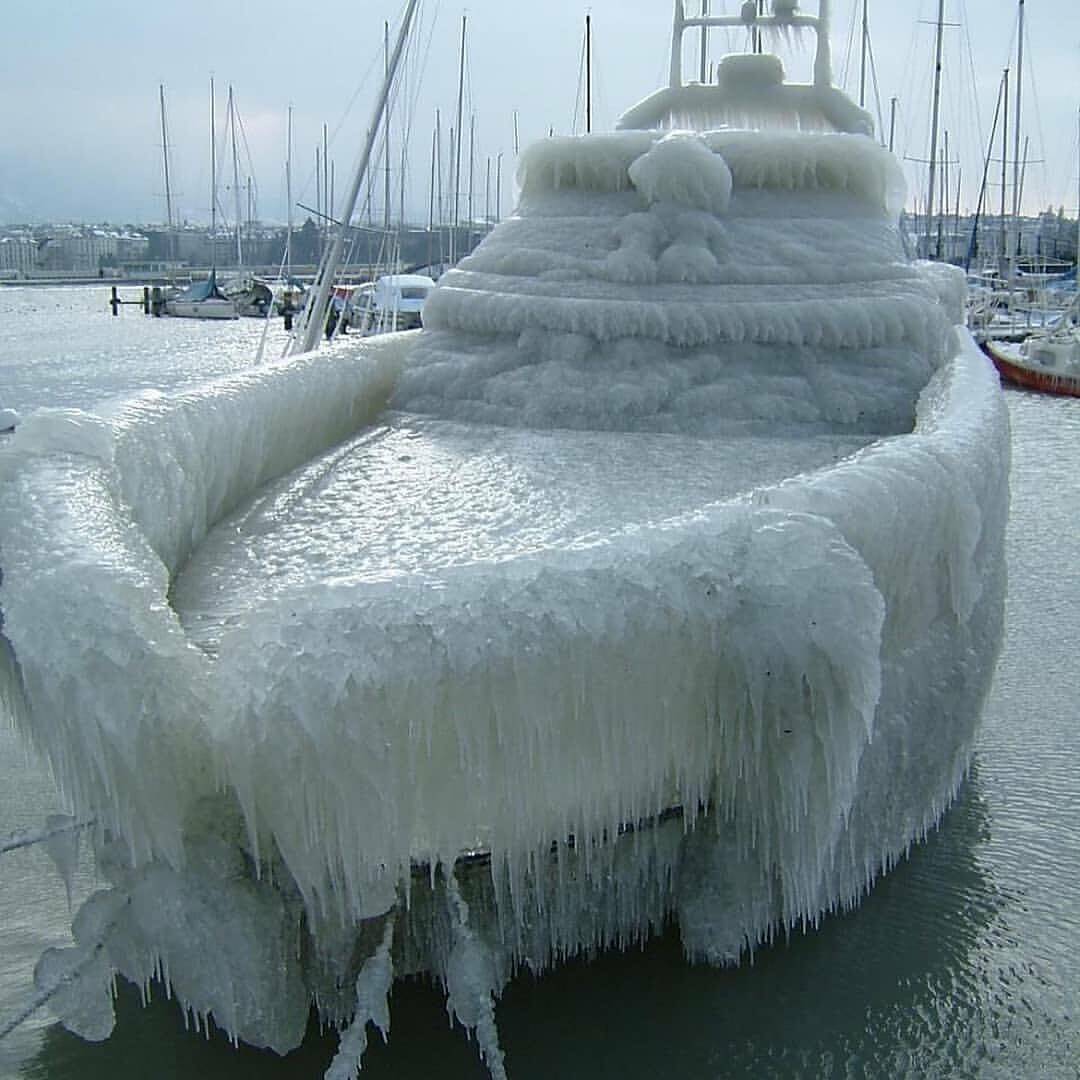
17,841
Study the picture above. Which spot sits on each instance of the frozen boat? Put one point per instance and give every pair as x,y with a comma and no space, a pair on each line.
202,300
659,577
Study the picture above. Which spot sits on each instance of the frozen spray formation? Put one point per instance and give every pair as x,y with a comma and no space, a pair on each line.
684,596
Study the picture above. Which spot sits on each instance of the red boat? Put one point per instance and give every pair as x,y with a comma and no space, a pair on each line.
1049,362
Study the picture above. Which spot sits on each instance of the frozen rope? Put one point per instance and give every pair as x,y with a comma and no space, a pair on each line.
17,840
42,996
46,994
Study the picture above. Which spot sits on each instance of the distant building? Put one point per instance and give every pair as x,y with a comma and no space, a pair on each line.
18,255
85,250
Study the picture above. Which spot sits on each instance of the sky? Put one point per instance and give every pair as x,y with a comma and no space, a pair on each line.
81,136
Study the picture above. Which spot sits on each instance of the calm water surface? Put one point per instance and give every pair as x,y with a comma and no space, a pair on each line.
963,962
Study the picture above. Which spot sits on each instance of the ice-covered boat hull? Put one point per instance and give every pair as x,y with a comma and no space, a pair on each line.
801,670
733,700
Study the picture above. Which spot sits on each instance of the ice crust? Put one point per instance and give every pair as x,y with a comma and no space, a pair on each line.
772,679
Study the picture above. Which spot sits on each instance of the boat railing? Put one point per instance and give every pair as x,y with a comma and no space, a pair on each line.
785,16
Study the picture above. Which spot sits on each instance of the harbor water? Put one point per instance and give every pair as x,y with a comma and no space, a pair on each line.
962,962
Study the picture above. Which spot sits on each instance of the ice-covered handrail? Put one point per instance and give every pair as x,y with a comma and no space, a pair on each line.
785,16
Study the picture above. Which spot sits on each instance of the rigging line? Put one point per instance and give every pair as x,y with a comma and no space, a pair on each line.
412,103
975,97
376,58
580,89
1034,101
15,843
850,45
599,88
42,997
413,96
247,154
877,92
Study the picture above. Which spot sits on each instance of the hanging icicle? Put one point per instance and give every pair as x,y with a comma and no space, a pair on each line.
372,1006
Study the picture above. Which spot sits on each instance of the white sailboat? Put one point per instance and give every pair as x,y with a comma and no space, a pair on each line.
204,299
201,300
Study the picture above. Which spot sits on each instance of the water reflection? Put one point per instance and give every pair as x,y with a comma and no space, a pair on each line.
917,982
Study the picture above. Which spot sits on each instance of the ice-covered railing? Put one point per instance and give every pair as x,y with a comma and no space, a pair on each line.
785,17
774,161
183,461
750,90
108,508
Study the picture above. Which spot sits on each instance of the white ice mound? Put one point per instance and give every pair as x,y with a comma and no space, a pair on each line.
681,169
723,283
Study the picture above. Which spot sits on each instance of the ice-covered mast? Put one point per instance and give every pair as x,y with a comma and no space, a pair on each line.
785,15
314,317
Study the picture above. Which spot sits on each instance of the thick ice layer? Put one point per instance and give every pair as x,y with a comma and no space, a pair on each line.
627,582
718,284
749,93
415,498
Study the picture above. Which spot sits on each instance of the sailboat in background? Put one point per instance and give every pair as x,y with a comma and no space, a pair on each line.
204,299
1048,358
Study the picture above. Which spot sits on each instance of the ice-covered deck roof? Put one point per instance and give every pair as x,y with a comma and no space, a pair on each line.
750,92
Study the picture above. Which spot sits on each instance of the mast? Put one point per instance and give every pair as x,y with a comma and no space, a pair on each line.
487,197
1016,118
704,41
498,186
1004,168
973,246
472,177
165,156
865,43
213,179
934,124
441,202
455,218
315,311
288,198
236,175
588,74
386,141
892,123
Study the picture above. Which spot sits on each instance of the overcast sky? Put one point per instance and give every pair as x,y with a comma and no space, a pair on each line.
80,132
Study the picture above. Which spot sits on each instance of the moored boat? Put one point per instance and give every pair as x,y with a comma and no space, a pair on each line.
659,577
1047,361
201,300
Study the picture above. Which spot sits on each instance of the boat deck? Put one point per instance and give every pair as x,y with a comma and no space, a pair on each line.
414,497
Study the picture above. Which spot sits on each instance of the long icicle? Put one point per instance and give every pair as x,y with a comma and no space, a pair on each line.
472,997
372,992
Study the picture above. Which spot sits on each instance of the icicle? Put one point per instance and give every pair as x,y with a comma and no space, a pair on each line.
62,844
471,981
372,1004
